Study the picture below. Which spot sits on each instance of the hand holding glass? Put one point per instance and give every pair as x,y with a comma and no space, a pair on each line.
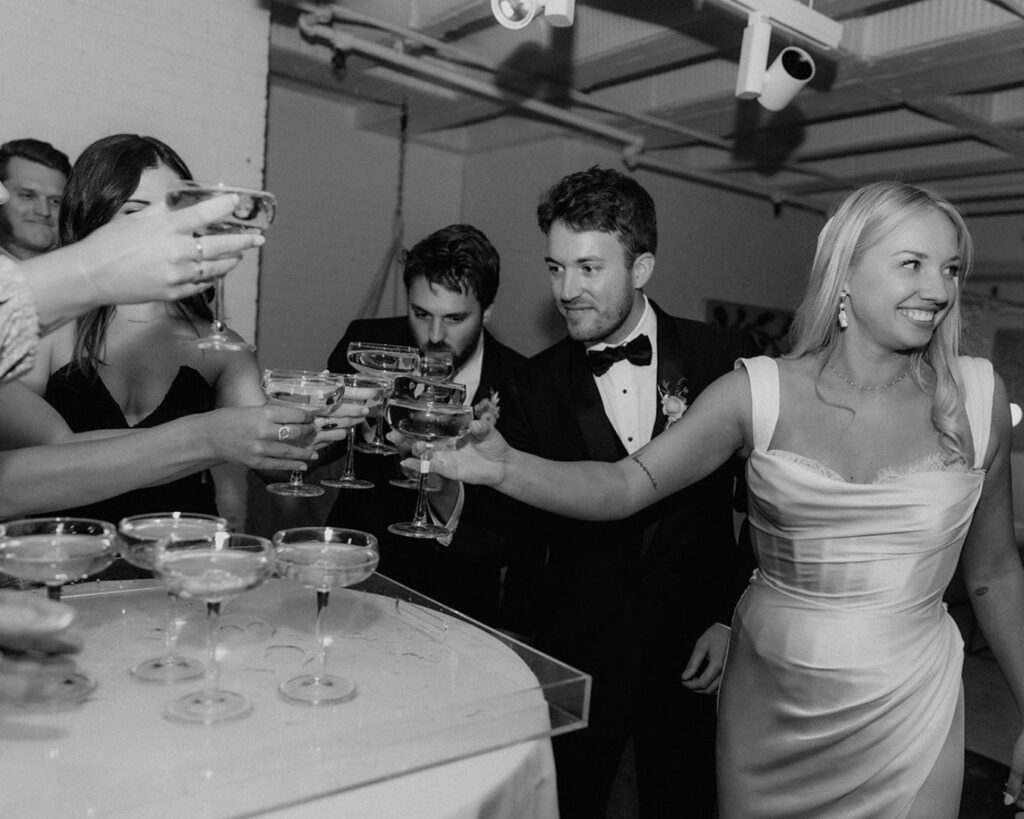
417,388
427,422
141,535
254,214
314,391
213,570
322,559
364,391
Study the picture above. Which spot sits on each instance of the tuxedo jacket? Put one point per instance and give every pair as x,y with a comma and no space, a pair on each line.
637,591
466,574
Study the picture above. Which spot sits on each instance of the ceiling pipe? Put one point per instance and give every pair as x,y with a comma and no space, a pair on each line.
316,23
311,25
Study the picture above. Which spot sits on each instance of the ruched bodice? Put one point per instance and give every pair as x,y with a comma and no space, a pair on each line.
844,669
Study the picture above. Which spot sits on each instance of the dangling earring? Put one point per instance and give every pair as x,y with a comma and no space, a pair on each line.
843,320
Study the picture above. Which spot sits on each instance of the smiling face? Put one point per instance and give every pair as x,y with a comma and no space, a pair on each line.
443,319
901,288
599,296
28,221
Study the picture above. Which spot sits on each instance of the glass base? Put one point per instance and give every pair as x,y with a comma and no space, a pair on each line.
168,669
371,448
411,529
290,490
60,688
208,707
217,342
325,689
409,483
347,483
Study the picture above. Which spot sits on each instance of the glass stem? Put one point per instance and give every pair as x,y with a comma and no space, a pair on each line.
420,518
296,478
320,664
378,435
217,326
212,666
171,628
349,471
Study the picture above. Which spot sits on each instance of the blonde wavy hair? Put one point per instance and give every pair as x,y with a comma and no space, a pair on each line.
861,221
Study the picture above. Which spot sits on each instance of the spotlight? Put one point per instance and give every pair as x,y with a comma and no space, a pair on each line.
775,87
519,13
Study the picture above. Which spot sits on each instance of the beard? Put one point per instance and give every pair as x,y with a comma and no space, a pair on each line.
462,354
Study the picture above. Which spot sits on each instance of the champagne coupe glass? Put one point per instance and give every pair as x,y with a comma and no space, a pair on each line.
437,365
415,388
382,361
368,392
254,213
428,422
315,391
215,569
55,551
141,535
323,558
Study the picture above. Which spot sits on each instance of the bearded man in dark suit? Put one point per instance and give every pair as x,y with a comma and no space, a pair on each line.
641,604
451,278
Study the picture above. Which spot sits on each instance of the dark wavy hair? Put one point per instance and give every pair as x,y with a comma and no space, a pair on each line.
605,200
458,258
103,178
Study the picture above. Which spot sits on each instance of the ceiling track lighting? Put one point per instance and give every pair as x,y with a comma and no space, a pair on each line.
775,86
517,14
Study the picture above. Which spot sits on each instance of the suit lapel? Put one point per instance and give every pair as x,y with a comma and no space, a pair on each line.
671,362
488,371
598,433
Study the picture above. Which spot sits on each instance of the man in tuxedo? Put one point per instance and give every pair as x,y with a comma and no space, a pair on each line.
642,604
451,278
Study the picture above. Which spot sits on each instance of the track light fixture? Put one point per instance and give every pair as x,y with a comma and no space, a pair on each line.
519,13
774,87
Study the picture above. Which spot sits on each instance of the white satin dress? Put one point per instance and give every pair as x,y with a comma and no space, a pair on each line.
844,668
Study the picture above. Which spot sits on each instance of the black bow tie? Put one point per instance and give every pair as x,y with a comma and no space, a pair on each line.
638,352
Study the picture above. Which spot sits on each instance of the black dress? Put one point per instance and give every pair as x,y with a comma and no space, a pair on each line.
86,404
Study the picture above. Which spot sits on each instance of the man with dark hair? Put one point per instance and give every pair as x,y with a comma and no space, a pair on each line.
35,173
641,604
451,278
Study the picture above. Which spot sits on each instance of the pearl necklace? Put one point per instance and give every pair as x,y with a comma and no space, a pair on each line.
846,380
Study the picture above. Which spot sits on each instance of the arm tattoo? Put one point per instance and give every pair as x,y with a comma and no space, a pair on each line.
647,472
981,591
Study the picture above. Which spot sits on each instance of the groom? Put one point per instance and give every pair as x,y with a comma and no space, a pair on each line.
631,601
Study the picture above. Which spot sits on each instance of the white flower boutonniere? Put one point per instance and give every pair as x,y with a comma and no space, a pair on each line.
489,408
673,400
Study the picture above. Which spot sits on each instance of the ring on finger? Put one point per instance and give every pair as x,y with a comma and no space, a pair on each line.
284,433
199,251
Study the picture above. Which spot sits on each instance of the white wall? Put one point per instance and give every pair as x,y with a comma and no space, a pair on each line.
336,187
192,73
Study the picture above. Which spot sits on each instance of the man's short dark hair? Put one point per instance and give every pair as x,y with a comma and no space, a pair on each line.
604,200
34,150
458,258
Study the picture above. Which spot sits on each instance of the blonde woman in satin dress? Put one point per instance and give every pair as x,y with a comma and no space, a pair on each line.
876,457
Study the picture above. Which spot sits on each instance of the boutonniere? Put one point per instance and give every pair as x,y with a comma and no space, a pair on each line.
488,409
673,400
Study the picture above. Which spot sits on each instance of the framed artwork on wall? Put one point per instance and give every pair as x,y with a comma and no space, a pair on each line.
768,325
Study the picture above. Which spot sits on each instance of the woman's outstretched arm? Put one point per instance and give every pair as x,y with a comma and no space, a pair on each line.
713,429
993,573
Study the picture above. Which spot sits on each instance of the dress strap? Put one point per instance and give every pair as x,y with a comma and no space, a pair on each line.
979,388
763,373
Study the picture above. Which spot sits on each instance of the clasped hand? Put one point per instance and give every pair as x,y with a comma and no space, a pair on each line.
478,458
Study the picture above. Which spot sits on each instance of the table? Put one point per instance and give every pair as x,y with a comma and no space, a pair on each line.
450,719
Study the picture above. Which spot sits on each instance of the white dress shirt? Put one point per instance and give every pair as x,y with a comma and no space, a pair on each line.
629,392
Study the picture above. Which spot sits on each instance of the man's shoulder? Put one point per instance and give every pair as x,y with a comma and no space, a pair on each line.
693,333
378,329
505,355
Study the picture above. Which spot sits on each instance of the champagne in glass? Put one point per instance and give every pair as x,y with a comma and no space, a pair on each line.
255,212
384,361
364,391
213,570
429,423
141,535
418,388
315,391
437,365
55,551
322,559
